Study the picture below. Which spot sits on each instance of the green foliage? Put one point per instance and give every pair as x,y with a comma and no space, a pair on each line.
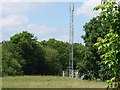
63,52
10,60
82,54
52,61
23,54
0,58
62,49
98,27
93,30
32,53
108,46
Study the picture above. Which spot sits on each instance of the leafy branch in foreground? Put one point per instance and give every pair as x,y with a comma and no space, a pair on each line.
108,46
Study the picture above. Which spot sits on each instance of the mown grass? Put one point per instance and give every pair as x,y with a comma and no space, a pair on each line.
48,82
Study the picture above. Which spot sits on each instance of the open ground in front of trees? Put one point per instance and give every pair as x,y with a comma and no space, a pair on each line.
49,82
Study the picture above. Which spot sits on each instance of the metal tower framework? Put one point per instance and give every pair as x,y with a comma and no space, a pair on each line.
71,39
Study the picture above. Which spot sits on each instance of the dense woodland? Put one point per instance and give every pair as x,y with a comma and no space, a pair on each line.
99,58
24,55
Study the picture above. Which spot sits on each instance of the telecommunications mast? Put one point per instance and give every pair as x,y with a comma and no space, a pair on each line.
71,35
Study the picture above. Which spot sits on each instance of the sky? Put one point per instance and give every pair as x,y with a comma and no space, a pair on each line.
45,18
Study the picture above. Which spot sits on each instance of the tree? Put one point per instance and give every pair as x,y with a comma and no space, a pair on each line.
32,53
52,61
108,46
10,60
62,48
79,58
99,27
85,64
30,57
93,30
0,59
110,56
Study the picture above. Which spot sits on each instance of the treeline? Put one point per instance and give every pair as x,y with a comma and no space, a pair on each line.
24,55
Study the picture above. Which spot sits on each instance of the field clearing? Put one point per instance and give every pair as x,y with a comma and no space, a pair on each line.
48,82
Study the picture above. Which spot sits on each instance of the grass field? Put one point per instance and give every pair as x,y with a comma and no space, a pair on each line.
48,82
